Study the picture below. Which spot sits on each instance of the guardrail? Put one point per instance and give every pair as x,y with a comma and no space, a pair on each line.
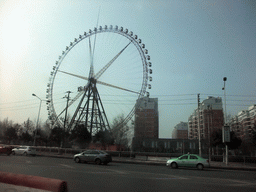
147,155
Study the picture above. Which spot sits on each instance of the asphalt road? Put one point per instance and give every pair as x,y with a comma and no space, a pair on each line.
129,177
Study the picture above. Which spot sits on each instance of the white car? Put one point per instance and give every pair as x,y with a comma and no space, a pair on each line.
96,156
24,150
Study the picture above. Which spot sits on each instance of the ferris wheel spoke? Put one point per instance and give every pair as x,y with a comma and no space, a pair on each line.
114,86
97,76
79,76
91,60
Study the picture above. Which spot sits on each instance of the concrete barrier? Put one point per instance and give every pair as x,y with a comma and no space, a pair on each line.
20,182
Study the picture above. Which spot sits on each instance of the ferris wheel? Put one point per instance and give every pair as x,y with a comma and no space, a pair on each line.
101,74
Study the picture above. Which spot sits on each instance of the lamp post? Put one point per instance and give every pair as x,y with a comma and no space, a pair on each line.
226,128
37,117
224,88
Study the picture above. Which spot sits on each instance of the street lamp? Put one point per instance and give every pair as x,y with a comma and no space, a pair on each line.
37,117
226,128
224,88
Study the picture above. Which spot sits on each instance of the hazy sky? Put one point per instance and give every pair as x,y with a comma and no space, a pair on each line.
193,44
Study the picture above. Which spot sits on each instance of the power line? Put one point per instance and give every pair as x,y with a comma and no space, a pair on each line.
25,102
229,95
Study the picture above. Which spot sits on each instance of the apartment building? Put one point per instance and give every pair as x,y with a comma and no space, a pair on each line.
146,118
244,123
211,118
180,131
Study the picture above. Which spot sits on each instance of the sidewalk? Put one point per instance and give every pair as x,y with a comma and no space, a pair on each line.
161,161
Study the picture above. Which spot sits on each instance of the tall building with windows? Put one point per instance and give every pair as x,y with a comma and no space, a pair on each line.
244,123
211,118
180,131
146,118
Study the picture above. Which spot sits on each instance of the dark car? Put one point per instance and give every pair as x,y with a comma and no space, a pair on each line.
95,156
6,150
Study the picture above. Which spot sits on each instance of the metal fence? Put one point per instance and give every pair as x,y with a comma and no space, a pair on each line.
142,155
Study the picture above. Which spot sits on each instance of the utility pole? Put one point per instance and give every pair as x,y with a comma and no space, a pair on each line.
65,119
68,92
209,130
198,126
37,118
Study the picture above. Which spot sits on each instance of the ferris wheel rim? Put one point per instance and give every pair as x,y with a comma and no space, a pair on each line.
121,31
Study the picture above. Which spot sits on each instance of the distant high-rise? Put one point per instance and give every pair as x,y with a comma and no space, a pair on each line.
244,123
211,118
146,118
180,131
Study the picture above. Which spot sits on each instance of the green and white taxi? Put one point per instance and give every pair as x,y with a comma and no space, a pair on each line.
188,160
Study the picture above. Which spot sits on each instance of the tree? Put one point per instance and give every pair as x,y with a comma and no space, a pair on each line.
41,137
104,137
11,134
80,135
26,137
235,142
47,128
120,132
29,126
56,135
5,125
216,139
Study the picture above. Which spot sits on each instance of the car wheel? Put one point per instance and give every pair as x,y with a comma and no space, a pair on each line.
25,154
13,153
200,167
98,161
174,165
77,160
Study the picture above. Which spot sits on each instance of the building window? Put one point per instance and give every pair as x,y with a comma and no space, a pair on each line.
179,144
192,145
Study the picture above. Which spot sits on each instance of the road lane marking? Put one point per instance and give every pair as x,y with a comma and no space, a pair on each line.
168,178
68,166
28,161
223,181
116,171
241,183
